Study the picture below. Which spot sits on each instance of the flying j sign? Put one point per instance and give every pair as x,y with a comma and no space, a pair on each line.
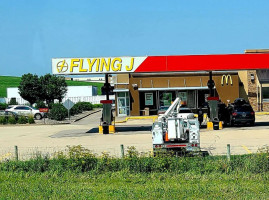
115,65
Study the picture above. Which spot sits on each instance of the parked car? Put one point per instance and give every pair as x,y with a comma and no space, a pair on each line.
26,111
241,114
8,114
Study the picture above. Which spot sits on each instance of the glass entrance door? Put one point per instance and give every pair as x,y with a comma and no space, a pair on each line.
122,106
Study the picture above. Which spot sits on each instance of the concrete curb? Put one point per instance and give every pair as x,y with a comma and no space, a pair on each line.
261,113
138,117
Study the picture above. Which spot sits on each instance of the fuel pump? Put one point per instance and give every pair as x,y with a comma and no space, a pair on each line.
106,120
213,101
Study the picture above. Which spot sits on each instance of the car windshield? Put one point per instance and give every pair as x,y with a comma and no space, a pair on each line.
34,108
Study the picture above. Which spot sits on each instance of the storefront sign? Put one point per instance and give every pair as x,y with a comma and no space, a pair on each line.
96,65
148,99
225,79
148,64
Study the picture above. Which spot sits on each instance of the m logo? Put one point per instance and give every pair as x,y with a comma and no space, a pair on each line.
62,66
226,78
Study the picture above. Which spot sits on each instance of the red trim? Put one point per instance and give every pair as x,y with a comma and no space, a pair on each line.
106,101
212,98
204,62
175,145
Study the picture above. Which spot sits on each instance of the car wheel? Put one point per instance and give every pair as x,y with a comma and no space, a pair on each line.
38,116
252,123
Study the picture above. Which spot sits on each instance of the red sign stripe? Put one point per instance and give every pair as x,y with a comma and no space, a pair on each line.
204,62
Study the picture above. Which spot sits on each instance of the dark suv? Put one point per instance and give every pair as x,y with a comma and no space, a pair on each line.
241,112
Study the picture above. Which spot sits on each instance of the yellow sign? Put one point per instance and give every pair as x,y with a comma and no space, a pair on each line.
95,65
226,78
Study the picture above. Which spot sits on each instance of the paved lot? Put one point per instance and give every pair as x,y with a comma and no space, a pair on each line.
51,138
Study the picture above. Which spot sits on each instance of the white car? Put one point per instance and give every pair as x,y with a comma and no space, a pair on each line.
26,111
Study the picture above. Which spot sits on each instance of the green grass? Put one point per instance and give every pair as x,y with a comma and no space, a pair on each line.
79,174
10,81
126,185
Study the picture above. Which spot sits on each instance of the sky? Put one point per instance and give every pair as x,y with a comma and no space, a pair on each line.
33,32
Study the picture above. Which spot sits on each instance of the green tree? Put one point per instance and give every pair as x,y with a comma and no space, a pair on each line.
53,87
30,88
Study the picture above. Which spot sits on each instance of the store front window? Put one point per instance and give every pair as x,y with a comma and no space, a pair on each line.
123,103
265,94
166,98
188,98
148,102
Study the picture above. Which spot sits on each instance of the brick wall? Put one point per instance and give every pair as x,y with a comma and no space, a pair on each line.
265,106
252,89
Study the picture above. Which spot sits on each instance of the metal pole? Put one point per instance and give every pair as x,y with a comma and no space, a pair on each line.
122,150
106,83
211,91
16,153
228,152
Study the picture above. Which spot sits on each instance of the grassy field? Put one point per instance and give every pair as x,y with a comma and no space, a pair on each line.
126,185
10,81
79,174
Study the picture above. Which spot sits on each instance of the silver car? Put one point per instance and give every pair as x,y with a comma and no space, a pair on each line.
26,111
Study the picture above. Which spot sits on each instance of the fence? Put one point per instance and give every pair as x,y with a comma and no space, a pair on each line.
91,99
25,153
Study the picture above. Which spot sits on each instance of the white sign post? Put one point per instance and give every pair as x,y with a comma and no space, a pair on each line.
68,104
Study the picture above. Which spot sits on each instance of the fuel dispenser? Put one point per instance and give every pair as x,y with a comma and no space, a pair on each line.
213,101
106,123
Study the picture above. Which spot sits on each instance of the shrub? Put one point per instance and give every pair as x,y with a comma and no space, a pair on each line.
3,106
75,110
12,120
85,106
3,120
22,120
97,105
58,112
31,120
80,107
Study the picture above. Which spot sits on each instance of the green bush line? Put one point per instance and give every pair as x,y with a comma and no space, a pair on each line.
255,163
19,120
59,112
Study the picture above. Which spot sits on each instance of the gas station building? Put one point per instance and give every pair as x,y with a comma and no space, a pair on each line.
142,85
145,93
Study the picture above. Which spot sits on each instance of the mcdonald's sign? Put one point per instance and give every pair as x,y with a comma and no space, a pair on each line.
226,79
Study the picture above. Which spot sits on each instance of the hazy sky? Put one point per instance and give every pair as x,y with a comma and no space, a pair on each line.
33,32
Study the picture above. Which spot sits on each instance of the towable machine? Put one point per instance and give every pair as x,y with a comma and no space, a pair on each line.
175,131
